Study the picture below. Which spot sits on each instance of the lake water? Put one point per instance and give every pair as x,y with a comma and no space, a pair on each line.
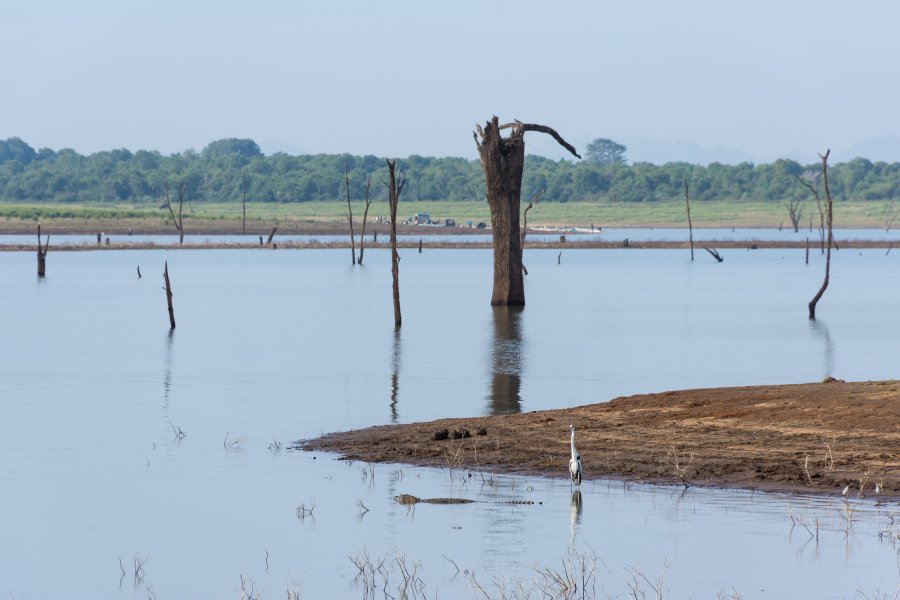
277,346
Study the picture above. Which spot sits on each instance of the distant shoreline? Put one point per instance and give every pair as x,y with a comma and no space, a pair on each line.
570,244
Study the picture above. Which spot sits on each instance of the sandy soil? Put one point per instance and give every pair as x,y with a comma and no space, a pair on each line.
810,438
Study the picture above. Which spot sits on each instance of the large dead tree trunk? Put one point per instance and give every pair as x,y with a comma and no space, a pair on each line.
502,160
828,221
169,296
394,189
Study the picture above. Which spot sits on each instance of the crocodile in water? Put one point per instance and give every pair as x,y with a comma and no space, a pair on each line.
410,499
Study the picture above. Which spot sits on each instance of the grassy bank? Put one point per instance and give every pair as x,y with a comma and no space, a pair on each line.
210,217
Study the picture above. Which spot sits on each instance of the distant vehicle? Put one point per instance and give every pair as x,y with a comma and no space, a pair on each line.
481,225
419,219
449,223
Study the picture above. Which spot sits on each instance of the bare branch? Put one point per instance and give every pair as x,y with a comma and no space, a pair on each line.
552,132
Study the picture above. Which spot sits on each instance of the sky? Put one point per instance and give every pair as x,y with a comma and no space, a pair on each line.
747,80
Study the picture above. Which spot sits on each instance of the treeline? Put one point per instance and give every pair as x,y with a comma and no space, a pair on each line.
228,169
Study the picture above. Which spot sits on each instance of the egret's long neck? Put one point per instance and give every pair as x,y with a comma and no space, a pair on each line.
573,443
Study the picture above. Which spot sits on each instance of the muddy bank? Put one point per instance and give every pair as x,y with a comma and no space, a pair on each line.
810,438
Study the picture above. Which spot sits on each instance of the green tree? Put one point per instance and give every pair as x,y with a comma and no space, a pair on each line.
605,152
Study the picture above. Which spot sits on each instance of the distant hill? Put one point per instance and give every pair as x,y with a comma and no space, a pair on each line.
880,149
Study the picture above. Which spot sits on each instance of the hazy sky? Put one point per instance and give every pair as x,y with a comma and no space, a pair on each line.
768,77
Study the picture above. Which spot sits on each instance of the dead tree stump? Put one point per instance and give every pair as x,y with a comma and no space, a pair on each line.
503,160
42,253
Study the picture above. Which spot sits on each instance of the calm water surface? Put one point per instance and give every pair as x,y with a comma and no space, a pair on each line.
282,345
435,235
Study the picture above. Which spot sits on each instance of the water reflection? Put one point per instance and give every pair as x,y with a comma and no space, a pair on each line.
167,373
575,509
820,329
396,350
507,351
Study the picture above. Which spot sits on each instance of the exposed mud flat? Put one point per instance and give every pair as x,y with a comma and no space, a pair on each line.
809,438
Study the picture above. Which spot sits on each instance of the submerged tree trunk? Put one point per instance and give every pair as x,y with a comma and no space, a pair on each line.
42,254
362,235
502,160
828,221
169,296
350,214
394,189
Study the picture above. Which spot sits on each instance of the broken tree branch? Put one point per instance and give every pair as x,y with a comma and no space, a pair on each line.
715,254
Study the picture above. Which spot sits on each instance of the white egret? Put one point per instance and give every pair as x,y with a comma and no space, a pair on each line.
575,461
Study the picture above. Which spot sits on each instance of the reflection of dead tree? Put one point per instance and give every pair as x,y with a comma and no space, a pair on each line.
531,202
502,160
169,296
795,212
890,215
687,203
828,221
42,253
811,181
394,190
178,221
349,212
362,236
715,254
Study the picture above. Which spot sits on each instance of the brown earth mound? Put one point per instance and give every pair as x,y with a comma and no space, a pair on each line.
816,438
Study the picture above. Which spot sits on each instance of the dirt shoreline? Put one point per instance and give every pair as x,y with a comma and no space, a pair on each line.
812,438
